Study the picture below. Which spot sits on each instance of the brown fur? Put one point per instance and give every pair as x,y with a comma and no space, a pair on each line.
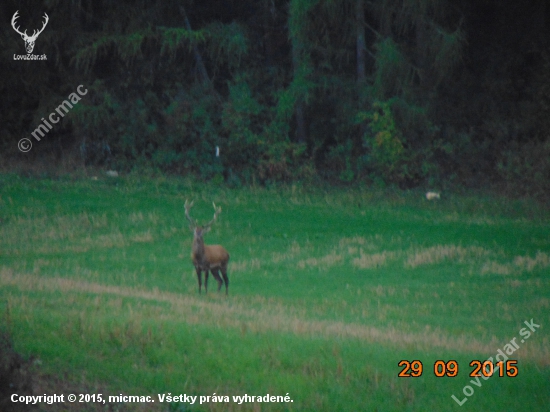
209,258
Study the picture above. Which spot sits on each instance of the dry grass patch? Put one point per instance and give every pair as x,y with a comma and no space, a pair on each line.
153,218
355,240
135,217
294,251
520,264
528,264
441,253
345,250
42,234
99,221
497,268
368,261
323,262
245,265
138,217
52,249
28,230
142,237
352,244
109,241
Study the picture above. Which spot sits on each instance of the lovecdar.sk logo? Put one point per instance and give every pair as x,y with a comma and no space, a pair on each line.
29,40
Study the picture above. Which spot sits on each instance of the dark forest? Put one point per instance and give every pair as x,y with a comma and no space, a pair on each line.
404,93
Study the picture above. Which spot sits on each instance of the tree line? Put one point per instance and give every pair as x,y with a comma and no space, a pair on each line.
386,92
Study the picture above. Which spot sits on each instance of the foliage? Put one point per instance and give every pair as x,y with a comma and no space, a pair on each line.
275,86
385,150
527,165
398,143
393,73
240,126
227,44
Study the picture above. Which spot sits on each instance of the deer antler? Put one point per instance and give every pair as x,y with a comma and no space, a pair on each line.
35,33
217,211
188,206
15,17
46,20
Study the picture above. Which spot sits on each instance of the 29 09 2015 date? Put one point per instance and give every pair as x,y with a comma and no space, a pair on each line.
415,368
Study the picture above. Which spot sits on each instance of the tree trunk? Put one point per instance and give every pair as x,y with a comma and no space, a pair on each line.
360,43
203,74
301,135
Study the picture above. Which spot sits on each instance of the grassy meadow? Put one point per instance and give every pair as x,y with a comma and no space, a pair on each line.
329,291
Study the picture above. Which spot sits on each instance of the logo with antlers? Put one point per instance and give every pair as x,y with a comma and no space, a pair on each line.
29,40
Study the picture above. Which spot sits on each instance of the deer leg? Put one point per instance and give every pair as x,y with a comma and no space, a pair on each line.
216,274
226,279
206,281
199,276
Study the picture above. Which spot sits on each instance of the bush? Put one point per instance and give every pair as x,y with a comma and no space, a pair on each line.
526,168
15,375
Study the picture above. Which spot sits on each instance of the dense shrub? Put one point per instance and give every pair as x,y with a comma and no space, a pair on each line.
15,375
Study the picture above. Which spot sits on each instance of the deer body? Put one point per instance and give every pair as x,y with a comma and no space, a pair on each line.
208,258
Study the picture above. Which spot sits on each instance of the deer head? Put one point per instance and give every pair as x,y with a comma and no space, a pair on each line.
29,40
197,229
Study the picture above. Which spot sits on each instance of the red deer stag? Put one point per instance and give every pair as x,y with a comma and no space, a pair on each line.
213,258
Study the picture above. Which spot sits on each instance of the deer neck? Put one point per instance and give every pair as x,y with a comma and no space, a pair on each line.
198,248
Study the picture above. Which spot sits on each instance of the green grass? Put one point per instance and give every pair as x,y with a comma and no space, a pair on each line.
329,290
